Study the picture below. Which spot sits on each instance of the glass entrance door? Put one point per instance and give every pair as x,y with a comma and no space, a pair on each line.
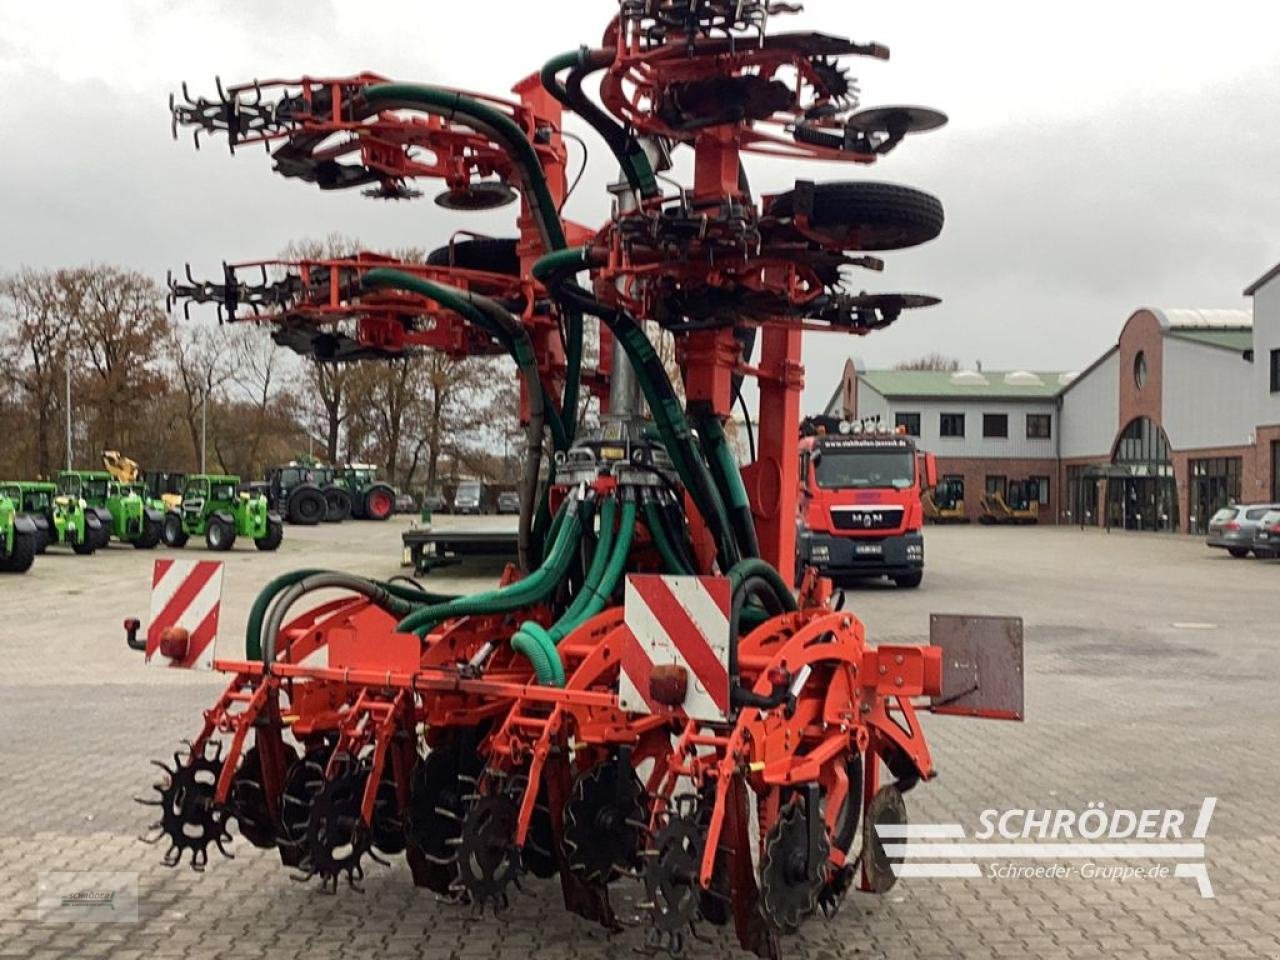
1143,503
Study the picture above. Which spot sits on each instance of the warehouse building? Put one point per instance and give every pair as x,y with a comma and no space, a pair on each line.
1180,417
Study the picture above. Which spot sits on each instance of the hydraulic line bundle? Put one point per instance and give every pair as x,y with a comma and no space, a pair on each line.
647,696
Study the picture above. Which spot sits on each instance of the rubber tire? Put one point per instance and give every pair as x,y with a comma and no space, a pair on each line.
151,535
909,581
307,507
173,534
105,523
379,494
87,548
491,256
24,554
223,541
275,534
1238,552
897,217
337,504
43,537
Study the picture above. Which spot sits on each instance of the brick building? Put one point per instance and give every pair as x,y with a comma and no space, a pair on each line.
1181,416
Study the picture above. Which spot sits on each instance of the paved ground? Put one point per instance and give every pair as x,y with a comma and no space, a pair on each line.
1152,670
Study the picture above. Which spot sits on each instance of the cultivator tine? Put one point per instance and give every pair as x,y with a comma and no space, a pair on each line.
447,814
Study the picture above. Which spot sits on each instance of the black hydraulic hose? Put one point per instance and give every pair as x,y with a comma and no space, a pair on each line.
661,397
378,594
626,149
728,479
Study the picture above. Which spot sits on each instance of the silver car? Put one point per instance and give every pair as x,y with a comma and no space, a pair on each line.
1232,528
1266,536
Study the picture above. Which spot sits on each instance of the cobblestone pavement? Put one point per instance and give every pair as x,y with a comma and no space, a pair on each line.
1152,669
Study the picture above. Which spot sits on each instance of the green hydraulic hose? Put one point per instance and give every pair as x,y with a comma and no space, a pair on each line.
658,530
539,644
491,122
531,589
755,568
725,472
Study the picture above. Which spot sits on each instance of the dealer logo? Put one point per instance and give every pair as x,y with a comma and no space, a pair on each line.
1096,843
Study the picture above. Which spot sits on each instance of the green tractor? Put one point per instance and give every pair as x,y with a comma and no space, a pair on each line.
293,493
18,538
371,498
129,514
59,519
214,508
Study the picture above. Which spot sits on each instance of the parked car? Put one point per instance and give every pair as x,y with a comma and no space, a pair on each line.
436,503
1232,528
1266,536
405,503
469,497
508,502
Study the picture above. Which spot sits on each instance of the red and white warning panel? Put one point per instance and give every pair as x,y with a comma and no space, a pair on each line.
186,598
676,656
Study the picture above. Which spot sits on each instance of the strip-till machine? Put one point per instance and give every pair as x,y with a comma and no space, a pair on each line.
647,696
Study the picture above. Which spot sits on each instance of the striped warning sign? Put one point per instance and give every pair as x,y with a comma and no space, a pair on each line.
186,595
677,639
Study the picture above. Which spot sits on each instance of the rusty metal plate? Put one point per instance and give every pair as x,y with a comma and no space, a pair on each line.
981,665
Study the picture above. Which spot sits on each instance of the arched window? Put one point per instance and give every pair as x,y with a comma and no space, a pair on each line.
1141,491
1144,447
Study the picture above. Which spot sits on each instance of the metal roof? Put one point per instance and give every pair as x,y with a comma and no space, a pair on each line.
1004,385
1262,281
1237,341
1183,318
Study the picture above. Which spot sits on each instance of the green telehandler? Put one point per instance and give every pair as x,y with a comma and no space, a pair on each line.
59,519
18,538
213,507
130,515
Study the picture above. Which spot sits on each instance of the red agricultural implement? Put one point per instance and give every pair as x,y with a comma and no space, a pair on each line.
647,695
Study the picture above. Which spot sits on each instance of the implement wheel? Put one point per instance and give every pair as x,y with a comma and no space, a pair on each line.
491,256
864,215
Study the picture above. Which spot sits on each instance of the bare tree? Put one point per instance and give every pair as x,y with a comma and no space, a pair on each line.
36,332
930,361
202,360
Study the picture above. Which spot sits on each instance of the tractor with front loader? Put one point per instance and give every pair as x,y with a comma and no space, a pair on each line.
60,519
214,507
129,515
18,537
648,695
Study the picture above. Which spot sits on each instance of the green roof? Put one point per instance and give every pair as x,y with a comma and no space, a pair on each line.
1239,339
1003,385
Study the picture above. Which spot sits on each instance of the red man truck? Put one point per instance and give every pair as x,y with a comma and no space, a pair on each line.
859,512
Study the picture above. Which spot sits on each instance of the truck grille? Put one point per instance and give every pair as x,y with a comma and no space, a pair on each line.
866,518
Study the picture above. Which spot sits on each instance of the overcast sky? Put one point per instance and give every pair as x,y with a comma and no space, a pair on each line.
1100,156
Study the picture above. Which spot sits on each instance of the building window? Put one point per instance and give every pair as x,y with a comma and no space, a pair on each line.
997,484
1039,426
1275,371
1140,369
1041,489
1215,483
951,424
908,421
995,425
1275,471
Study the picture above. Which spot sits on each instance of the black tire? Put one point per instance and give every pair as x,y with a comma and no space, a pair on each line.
105,524
23,555
379,502
173,534
337,505
1238,552
492,256
909,581
275,534
152,533
87,546
307,506
219,535
43,537
864,215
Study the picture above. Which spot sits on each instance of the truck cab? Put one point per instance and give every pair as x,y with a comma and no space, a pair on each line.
860,513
